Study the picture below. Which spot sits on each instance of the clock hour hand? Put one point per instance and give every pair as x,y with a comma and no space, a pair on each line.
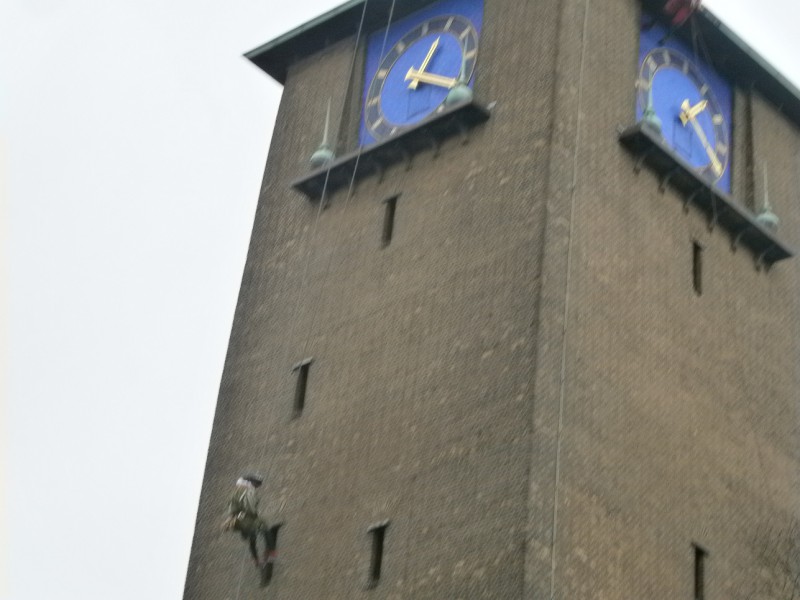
689,112
688,115
414,83
421,77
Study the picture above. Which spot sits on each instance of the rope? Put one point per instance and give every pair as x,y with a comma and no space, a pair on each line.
563,374
699,42
349,188
322,203
291,333
351,185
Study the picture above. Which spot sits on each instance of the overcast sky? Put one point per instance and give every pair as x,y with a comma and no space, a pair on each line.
133,137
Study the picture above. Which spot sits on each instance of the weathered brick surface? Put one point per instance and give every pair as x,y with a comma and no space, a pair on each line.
534,309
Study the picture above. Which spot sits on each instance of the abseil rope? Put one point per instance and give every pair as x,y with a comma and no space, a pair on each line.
322,202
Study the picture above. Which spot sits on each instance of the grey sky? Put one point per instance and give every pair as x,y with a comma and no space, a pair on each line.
133,137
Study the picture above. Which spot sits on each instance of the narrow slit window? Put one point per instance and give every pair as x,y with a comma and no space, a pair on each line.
699,572
301,385
378,533
697,268
388,221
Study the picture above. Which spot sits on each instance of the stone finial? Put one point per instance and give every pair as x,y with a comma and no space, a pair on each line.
649,116
766,218
460,92
323,155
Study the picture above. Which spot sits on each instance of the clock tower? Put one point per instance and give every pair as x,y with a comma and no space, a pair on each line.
519,314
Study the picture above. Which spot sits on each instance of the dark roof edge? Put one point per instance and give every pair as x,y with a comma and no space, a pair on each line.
780,90
264,56
275,57
737,60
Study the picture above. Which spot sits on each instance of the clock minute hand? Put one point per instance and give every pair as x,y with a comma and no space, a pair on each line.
440,80
414,83
688,116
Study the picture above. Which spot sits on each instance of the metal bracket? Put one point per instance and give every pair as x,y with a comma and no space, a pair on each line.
714,213
435,145
463,130
691,198
355,181
407,157
380,168
760,262
324,193
738,238
637,168
664,182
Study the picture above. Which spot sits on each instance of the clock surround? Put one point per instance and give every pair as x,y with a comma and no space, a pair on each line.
688,99
412,65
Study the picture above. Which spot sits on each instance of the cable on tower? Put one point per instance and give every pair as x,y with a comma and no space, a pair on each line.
246,512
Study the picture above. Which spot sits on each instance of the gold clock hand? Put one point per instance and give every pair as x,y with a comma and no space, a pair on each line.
689,115
715,163
414,83
440,80
428,56
689,112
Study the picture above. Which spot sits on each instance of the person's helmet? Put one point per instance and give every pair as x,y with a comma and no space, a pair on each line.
253,477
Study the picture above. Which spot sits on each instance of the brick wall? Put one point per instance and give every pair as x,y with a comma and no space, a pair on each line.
534,308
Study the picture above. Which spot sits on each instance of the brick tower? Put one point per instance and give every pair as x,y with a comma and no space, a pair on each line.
520,314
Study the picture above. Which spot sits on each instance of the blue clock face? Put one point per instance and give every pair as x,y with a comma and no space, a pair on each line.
425,55
692,101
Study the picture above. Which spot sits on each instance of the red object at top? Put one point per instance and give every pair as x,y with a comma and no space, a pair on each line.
681,10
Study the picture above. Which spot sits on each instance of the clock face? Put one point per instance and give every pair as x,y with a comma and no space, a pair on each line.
425,55
692,101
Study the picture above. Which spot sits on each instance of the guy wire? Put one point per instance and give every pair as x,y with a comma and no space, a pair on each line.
564,337
308,258
349,189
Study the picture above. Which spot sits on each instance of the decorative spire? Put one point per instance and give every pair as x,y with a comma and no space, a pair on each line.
460,92
323,155
649,116
767,218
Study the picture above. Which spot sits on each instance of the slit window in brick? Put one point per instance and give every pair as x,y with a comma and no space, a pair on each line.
301,385
390,206
700,556
378,534
697,268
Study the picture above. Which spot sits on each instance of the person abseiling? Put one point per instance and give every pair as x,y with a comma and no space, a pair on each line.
243,517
